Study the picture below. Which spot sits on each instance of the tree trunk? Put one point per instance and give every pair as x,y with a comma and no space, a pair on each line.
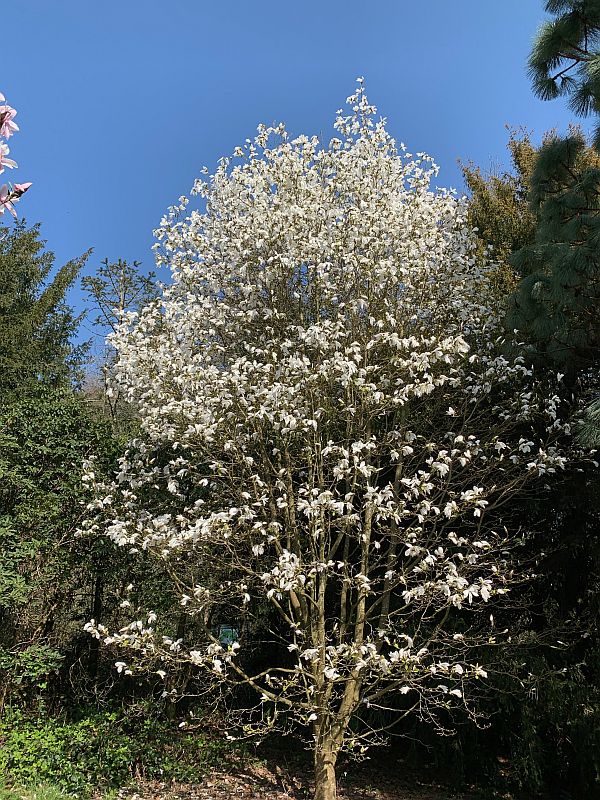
96,614
325,780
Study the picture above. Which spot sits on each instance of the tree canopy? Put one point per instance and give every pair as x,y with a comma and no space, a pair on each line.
556,304
330,430
36,324
498,201
565,60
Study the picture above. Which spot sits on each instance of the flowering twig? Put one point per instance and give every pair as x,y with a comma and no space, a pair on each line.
9,193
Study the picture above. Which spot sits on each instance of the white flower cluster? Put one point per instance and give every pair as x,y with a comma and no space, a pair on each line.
330,424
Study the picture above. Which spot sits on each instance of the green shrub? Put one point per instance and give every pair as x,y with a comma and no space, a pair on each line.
101,751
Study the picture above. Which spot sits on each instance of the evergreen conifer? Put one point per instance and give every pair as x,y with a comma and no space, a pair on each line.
555,305
36,325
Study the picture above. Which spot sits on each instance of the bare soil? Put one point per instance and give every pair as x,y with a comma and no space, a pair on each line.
271,782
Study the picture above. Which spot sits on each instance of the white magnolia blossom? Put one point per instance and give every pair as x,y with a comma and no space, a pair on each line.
330,425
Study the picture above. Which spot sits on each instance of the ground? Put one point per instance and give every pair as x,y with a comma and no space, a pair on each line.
265,781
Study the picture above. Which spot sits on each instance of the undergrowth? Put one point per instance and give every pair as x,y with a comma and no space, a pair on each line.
99,752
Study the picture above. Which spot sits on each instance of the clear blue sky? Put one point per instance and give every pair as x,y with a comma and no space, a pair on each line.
121,103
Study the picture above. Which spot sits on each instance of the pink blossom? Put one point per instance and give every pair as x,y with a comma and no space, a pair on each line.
5,198
8,195
7,126
19,189
5,162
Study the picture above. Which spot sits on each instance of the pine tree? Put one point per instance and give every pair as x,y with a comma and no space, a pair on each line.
565,519
565,60
555,304
36,325
554,307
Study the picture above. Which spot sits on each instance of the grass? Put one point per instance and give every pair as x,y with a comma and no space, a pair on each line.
45,792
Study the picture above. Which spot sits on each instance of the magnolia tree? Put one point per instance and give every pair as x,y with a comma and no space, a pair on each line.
330,438
8,192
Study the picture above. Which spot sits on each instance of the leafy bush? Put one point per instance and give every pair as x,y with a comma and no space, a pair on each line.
102,750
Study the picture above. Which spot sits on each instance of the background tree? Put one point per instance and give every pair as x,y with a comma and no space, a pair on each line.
115,290
565,60
49,581
556,304
329,427
118,288
36,325
498,201
546,721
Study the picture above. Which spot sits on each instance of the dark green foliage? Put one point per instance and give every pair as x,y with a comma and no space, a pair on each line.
556,306
103,750
543,218
543,736
556,303
544,703
51,581
36,326
565,60
47,576
544,691
556,733
589,431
